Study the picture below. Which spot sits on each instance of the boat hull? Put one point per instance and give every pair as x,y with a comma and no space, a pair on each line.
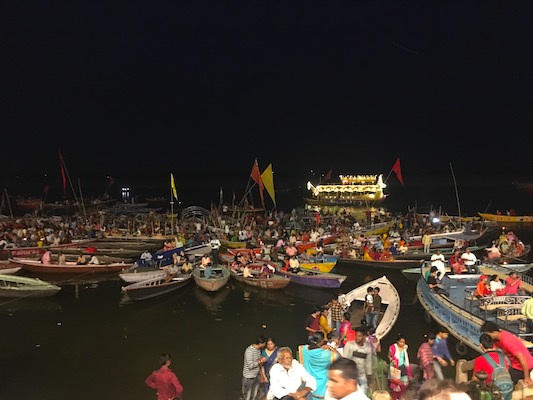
395,264
272,283
23,287
36,266
154,287
508,219
214,283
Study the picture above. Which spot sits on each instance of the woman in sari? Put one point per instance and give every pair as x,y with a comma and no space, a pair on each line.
271,353
399,360
316,357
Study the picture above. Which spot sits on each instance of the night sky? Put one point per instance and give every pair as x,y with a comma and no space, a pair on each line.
136,90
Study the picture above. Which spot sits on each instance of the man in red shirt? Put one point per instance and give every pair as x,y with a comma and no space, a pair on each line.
513,347
165,381
312,322
481,364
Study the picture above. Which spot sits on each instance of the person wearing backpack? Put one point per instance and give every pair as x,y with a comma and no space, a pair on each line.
520,359
495,364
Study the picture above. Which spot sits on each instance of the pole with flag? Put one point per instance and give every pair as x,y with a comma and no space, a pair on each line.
397,169
173,195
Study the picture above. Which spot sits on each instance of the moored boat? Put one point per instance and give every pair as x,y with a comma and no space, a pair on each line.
508,219
389,264
37,266
311,278
8,268
389,298
272,282
155,287
215,281
16,286
462,313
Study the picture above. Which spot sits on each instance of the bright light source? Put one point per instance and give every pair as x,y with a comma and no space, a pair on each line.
436,220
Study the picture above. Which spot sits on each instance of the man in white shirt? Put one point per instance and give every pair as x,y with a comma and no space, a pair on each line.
289,377
342,381
470,260
438,260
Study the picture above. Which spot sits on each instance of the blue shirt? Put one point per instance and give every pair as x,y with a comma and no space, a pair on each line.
440,349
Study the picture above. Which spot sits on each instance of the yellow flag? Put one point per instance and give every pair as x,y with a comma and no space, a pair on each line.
268,180
173,186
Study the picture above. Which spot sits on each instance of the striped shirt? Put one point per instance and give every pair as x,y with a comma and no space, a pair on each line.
251,362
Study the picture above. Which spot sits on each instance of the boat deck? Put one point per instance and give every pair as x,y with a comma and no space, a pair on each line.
505,311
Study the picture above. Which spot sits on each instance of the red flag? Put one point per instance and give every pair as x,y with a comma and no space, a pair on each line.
46,189
398,171
63,176
328,175
256,176
317,215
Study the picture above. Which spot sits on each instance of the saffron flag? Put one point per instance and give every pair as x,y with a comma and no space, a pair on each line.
328,175
63,176
268,180
256,176
398,171
173,186
317,215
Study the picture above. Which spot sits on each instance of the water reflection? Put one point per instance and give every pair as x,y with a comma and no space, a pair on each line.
212,300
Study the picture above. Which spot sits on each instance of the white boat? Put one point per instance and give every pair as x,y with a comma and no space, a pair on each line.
141,274
7,268
389,298
15,286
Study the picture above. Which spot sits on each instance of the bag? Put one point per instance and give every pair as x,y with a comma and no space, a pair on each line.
395,373
500,375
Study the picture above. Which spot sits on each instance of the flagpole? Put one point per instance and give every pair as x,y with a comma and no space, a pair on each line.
171,211
456,194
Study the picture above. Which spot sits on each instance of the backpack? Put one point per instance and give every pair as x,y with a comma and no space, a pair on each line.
500,375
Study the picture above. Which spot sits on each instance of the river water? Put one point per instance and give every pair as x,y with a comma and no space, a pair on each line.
87,343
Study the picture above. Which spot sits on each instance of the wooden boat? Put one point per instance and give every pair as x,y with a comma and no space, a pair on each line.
22,286
318,279
37,251
389,264
7,268
141,274
508,219
36,266
273,282
418,253
326,239
463,314
155,287
219,277
323,264
229,244
509,259
389,298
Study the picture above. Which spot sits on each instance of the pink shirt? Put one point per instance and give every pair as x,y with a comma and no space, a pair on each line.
511,345
166,382
512,289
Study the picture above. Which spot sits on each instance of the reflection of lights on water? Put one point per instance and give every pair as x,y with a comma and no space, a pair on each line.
246,296
263,326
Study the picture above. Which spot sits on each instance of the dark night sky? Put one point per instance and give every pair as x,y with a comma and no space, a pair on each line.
201,89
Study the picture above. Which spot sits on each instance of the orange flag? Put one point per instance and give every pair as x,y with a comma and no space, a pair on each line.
256,176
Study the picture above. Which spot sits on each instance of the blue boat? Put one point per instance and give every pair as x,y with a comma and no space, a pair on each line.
463,314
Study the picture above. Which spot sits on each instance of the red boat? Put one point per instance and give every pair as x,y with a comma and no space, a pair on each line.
37,266
36,251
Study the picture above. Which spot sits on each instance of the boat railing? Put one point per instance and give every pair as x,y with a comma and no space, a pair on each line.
508,268
465,326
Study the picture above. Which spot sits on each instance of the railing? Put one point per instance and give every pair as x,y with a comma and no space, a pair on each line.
461,324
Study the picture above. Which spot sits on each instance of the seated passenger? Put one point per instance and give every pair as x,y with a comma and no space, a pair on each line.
82,260
456,264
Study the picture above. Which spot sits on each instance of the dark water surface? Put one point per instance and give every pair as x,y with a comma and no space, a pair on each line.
86,343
